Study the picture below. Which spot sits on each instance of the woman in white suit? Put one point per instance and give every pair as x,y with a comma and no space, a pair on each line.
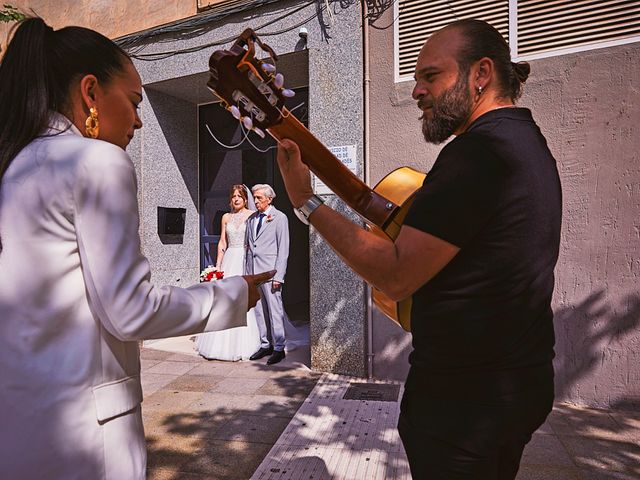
75,296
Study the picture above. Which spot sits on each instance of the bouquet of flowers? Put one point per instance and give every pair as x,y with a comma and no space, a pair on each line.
210,274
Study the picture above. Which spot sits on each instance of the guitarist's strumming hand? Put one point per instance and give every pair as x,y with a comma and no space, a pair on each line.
295,174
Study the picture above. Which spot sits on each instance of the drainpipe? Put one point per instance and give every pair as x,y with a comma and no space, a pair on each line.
367,173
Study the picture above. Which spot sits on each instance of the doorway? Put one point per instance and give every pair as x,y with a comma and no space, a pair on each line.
230,159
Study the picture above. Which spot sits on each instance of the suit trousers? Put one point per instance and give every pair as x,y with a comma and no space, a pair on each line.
476,427
270,317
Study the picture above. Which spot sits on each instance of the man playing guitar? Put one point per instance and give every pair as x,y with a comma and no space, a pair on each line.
476,253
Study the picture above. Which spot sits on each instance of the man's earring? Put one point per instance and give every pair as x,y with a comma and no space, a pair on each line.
479,90
92,126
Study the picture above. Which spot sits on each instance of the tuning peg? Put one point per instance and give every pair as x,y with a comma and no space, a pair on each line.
235,111
268,67
278,80
259,132
247,122
288,93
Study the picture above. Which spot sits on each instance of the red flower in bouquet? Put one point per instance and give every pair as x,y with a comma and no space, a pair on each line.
210,274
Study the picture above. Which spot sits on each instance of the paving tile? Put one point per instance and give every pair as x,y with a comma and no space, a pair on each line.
211,403
288,386
245,386
170,451
194,383
629,424
545,428
226,460
163,474
538,472
152,382
606,475
172,368
589,422
170,400
597,454
212,368
145,364
546,450
168,424
260,370
151,354
251,428
273,405
183,357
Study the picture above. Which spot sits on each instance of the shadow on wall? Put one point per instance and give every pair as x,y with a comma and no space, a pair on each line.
594,357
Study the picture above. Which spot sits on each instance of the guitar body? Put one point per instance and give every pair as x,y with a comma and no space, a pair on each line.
399,187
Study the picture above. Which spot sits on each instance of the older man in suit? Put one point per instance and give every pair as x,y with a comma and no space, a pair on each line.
268,246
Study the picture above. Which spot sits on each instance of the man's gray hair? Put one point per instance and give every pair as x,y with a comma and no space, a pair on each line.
268,191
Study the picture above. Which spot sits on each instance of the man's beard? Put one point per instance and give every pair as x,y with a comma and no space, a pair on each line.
448,113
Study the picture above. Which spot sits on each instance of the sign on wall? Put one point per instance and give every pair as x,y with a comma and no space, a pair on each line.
347,155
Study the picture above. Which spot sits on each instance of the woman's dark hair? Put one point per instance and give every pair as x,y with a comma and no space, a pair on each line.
36,74
483,40
241,190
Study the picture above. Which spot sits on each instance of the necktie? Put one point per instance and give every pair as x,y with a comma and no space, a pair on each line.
260,217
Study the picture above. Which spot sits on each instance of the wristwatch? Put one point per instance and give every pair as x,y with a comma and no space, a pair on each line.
308,208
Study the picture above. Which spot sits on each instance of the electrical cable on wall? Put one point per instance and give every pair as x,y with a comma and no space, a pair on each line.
201,24
377,8
194,28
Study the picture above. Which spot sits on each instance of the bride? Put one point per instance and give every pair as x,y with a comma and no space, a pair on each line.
241,342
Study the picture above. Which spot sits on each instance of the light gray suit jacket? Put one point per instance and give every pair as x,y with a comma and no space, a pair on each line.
75,298
269,250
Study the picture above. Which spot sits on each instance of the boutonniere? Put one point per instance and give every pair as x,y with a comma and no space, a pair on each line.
269,217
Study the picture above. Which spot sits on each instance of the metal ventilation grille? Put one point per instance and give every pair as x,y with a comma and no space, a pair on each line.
545,25
418,19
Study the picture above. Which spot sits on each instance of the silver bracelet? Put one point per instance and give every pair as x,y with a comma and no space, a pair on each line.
308,208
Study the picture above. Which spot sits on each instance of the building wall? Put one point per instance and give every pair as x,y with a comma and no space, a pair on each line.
587,107
113,18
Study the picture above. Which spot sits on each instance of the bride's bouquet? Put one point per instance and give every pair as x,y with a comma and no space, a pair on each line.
210,274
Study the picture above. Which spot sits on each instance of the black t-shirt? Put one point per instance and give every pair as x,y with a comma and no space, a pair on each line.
494,192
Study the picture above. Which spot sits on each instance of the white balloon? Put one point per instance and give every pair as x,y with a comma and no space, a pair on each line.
247,122
235,111
269,68
288,93
259,132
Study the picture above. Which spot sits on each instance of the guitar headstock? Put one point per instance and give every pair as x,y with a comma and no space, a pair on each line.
247,86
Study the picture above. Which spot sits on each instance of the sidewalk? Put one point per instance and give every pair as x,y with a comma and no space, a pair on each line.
246,420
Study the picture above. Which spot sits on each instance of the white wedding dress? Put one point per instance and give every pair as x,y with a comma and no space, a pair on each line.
241,342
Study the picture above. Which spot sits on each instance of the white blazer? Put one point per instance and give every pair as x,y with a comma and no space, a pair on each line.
75,298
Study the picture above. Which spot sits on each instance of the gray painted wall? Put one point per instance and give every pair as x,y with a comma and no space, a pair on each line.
166,157
587,106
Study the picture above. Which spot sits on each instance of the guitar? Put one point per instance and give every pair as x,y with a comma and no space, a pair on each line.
254,94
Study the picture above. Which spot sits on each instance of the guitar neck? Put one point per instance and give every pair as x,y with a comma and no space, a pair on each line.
373,207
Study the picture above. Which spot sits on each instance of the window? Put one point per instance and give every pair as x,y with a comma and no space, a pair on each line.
533,28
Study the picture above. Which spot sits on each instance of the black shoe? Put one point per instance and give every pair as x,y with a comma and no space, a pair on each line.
276,357
262,352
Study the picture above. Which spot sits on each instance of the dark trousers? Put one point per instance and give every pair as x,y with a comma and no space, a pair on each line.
453,431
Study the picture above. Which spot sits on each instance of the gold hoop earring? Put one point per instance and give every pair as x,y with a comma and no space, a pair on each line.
92,126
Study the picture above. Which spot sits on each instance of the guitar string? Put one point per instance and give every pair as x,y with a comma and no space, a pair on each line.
245,135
